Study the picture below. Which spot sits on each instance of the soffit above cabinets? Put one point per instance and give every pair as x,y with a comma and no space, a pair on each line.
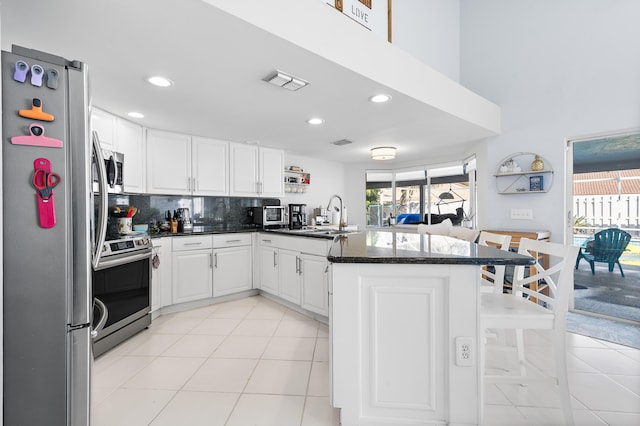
217,53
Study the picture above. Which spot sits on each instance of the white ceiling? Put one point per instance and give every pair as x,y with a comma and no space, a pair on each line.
217,62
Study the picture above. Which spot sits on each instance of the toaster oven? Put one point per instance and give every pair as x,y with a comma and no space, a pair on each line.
269,216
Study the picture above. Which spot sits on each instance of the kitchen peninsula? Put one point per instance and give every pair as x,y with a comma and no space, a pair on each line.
404,327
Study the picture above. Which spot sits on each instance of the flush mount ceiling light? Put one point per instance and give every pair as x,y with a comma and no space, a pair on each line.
134,114
378,99
286,81
160,81
315,121
383,153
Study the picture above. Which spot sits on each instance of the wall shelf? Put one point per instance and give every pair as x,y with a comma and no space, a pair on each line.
514,175
296,180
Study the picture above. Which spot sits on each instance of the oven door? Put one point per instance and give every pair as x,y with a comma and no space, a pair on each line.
122,284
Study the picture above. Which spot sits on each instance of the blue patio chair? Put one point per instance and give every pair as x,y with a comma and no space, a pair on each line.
607,247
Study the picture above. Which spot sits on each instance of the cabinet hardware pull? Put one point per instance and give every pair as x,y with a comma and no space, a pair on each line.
210,260
266,241
275,259
193,244
233,241
215,260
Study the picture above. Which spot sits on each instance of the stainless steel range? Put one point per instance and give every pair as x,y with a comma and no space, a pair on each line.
122,288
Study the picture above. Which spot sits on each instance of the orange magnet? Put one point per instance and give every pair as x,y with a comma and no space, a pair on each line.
36,112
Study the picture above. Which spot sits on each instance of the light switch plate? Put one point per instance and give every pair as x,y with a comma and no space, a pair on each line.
522,214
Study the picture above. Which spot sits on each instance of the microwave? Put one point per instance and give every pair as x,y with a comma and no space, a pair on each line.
269,216
114,167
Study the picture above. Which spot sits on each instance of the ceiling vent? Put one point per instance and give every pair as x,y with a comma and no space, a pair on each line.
341,142
285,81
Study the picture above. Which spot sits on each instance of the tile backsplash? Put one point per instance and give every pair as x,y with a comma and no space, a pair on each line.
230,211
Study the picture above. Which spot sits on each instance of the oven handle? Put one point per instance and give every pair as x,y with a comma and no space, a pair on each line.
124,259
104,200
104,314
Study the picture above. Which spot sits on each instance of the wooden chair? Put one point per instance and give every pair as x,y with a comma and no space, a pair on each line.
517,311
492,281
608,246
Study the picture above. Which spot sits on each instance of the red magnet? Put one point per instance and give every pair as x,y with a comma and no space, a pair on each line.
36,138
44,181
36,112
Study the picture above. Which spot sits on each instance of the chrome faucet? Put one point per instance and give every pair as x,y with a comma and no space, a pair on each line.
341,222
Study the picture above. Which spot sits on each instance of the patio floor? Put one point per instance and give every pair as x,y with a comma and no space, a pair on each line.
608,293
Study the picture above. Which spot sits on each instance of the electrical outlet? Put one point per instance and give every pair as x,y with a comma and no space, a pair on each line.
522,214
464,351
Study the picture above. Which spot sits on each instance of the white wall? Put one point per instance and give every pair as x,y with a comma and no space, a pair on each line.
558,69
327,178
430,31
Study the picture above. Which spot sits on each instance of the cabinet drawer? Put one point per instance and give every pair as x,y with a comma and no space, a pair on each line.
269,240
308,245
199,242
231,240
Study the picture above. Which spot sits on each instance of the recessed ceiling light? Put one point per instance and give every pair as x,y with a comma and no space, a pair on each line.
380,98
134,114
160,81
315,121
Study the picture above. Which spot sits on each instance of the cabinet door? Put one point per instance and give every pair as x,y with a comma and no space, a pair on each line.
289,275
314,284
269,269
271,173
161,290
244,170
192,275
210,161
168,163
231,270
131,144
105,124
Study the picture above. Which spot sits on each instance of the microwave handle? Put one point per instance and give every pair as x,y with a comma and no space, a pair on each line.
101,225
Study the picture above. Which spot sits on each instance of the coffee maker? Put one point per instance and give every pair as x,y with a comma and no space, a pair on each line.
297,216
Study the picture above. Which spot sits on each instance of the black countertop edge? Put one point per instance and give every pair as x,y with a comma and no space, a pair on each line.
301,233
433,260
206,230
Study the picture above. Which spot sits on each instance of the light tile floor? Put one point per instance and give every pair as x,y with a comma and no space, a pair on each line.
255,362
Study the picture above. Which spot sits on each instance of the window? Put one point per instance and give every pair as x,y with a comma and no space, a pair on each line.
427,194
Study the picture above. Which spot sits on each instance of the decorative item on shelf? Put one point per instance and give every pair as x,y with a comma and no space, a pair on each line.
510,166
537,164
536,183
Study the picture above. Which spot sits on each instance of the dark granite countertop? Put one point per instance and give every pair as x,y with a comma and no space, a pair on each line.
402,247
210,229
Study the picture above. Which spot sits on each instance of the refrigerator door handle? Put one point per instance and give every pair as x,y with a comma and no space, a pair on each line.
104,201
104,314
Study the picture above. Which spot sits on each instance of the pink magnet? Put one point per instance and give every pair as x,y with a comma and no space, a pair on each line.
36,138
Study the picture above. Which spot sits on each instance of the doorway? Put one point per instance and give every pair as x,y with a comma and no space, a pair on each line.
603,193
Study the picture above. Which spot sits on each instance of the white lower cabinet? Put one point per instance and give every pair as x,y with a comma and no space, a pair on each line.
192,268
315,290
268,277
289,276
161,291
295,269
192,275
231,270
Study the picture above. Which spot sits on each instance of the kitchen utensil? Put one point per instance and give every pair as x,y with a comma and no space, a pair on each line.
131,211
44,181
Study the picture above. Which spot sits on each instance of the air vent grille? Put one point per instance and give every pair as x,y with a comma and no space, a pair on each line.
286,81
341,142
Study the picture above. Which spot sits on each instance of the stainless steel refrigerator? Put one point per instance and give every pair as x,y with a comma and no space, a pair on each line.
46,154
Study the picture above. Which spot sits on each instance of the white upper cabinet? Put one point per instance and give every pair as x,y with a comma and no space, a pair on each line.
168,163
130,141
105,124
185,165
244,170
271,172
210,161
256,171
